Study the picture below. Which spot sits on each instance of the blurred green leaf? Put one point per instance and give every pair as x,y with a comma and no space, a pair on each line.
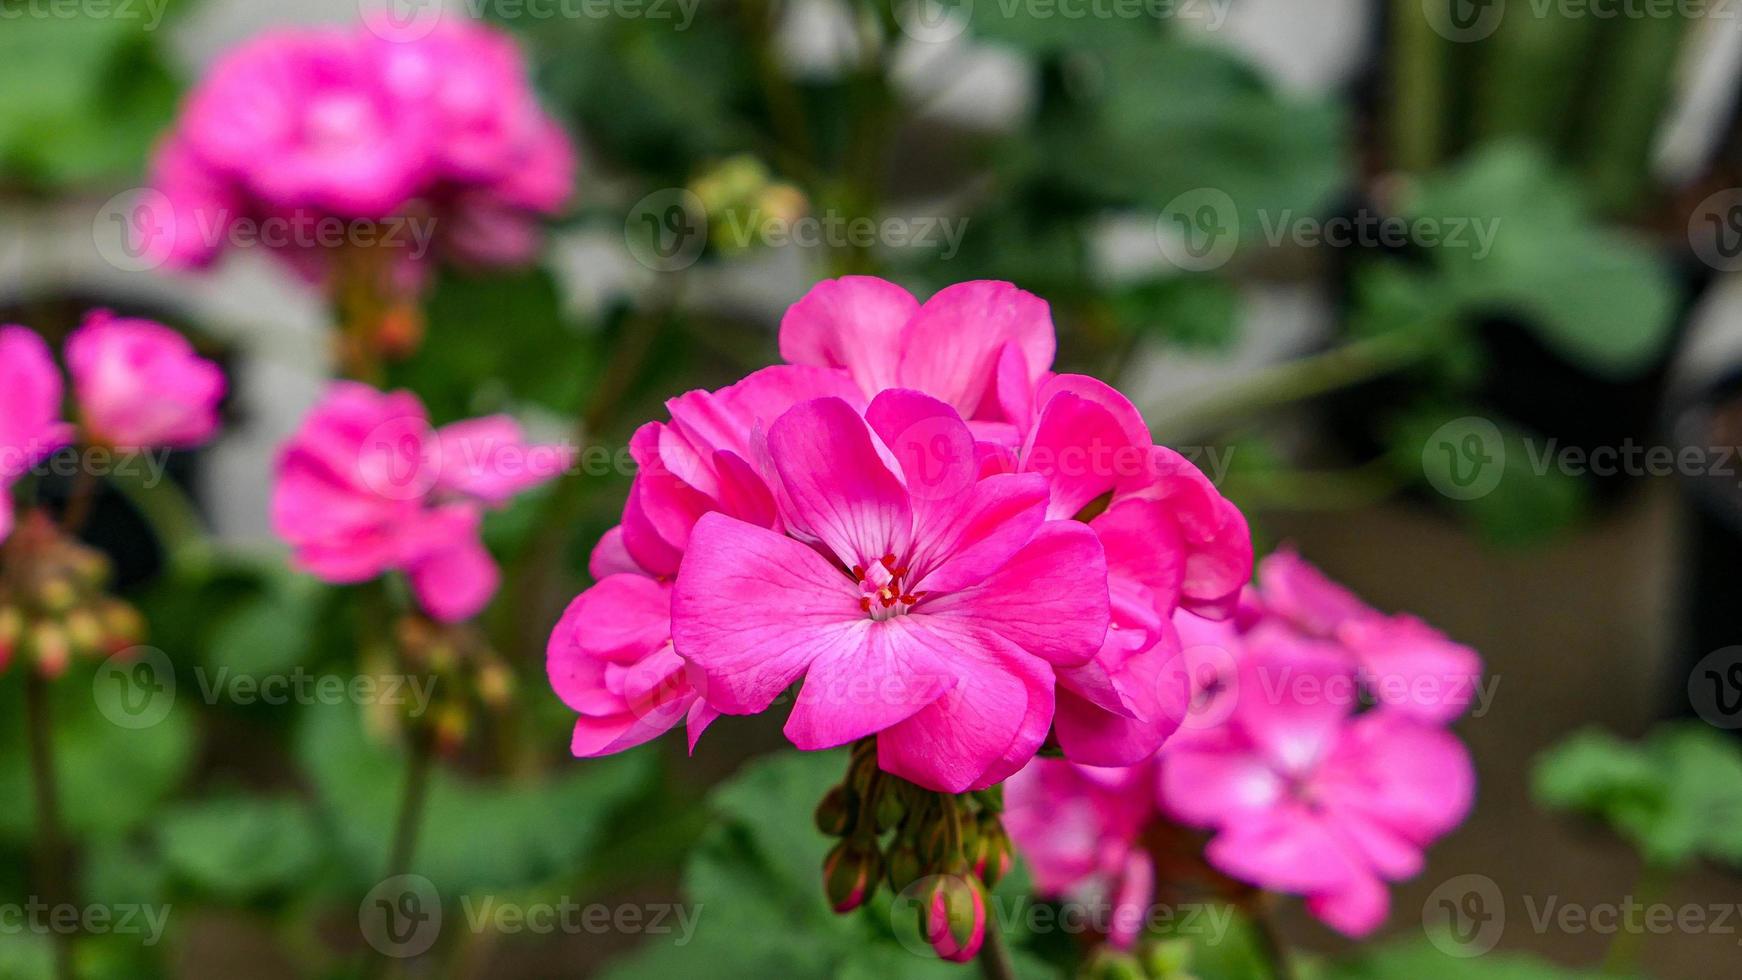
1155,117
236,849
1189,310
757,878
495,340
1677,796
1598,297
1522,503
1418,958
110,778
475,835
26,956
270,633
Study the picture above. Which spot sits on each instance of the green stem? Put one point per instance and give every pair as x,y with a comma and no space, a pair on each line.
50,846
1418,91
1296,380
172,516
1651,887
411,802
1270,939
994,959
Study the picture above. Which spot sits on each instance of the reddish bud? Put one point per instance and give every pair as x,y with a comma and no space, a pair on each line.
850,874
953,916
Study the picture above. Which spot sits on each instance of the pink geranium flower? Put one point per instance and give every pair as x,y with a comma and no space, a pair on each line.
1401,661
30,411
1079,829
366,486
139,384
917,602
313,133
1309,797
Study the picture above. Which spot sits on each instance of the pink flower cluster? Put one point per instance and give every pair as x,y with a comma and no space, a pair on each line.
1315,750
367,486
308,130
138,385
953,548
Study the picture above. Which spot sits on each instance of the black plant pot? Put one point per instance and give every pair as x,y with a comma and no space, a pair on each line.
1708,643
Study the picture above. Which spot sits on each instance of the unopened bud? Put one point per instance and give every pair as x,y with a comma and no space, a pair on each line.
1113,965
904,865
56,595
953,916
49,643
992,856
890,809
850,874
123,626
495,685
85,631
835,813
1168,959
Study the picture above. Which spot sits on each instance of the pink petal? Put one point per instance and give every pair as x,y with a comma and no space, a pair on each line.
930,441
490,459
1207,788
752,609
610,557
838,484
1356,910
951,743
1413,668
863,690
455,583
1417,779
1286,849
950,348
971,536
1050,598
1081,449
1293,701
855,323
1307,597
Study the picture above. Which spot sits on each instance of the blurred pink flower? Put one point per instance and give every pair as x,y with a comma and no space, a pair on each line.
366,486
1310,797
140,385
918,602
308,132
30,411
1079,828
1402,662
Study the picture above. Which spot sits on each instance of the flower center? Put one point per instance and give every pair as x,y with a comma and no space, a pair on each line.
884,588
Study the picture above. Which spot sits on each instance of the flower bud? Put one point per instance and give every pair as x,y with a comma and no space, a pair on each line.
850,874
1168,959
85,631
992,855
495,685
1114,965
122,625
11,631
835,813
953,917
904,865
53,650
56,595
890,809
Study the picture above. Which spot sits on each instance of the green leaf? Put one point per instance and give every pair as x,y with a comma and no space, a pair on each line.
1155,117
271,633
1417,958
493,341
474,836
1677,795
26,956
1189,310
240,848
757,874
1600,298
1510,502
110,778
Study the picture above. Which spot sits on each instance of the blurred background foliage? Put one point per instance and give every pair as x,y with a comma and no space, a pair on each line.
261,823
